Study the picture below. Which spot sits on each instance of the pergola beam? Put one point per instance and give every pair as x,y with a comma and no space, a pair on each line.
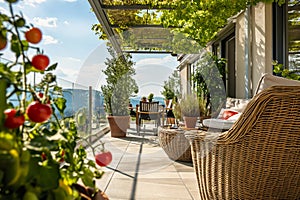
102,18
134,7
113,36
148,52
145,26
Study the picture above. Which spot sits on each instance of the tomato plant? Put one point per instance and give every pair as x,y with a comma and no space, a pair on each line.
34,35
13,119
40,62
103,159
43,159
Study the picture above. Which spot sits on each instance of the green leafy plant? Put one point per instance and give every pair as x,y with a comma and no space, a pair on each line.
280,70
197,20
40,155
150,97
208,81
119,84
171,87
190,105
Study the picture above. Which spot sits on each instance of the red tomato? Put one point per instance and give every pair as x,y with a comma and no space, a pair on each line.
43,156
33,35
62,159
3,42
228,113
40,62
103,158
41,95
38,112
12,120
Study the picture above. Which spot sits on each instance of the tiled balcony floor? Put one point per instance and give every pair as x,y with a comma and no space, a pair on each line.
141,170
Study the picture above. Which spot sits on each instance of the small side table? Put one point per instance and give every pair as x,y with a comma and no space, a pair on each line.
175,144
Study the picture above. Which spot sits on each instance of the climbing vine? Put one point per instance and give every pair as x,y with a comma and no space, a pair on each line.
198,20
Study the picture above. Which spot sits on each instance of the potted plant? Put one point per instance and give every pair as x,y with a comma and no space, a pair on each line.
190,109
171,87
40,155
177,111
150,97
119,87
204,108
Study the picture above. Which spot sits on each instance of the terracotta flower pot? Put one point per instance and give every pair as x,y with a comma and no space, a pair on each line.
118,125
190,122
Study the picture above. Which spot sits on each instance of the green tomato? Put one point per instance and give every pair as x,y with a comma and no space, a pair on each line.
30,196
10,165
60,194
25,156
6,141
11,1
20,22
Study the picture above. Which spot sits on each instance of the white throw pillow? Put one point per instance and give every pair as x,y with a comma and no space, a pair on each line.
236,104
220,116
234,117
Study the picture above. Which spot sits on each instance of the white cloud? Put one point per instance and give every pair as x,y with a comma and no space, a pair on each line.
71,1
90,75
3,10
49,40
68,68
33,3
167,60
66,23
48,22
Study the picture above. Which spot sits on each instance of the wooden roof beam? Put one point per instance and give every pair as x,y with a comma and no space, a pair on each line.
102,18
134,7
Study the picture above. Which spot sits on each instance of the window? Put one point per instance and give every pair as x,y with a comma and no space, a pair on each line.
224,47
286,34
293,34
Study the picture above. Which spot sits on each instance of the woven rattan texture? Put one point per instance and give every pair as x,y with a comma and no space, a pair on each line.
259,157
175,144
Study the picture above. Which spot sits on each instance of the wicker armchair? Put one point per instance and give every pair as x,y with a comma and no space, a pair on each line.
259,157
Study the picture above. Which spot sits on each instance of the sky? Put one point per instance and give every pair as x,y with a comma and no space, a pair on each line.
69,41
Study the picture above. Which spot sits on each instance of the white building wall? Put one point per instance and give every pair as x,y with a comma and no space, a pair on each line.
184,79
255,41
262,41
240,56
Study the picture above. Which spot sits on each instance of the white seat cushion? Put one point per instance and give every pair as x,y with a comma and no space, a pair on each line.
218,123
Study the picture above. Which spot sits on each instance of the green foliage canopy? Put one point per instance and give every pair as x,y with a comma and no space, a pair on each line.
198,20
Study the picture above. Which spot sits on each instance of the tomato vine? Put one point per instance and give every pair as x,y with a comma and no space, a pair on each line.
40,155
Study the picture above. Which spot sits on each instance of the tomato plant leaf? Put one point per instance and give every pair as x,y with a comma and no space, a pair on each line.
60,104
52,67
40,142
45,176
48,132
87,178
